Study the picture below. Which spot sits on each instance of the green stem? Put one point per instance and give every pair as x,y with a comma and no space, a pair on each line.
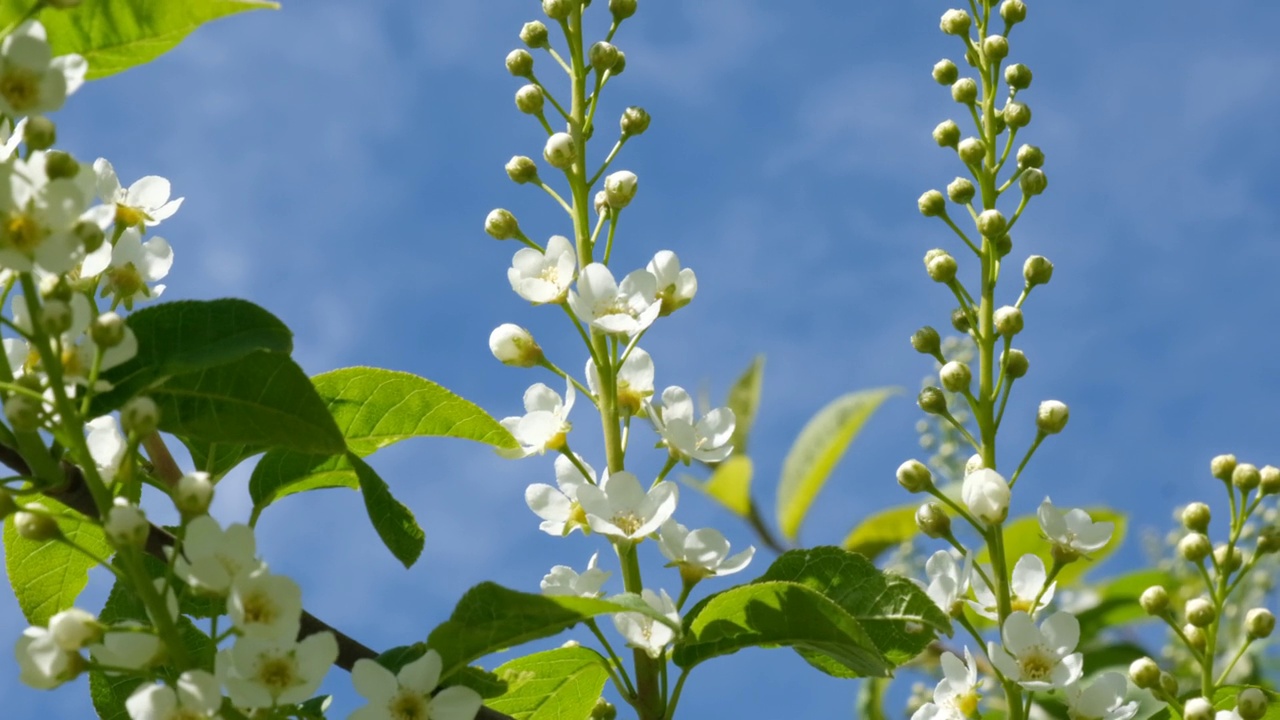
675,695
621,679
1040,436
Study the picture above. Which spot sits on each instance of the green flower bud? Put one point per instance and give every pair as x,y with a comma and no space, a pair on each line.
558,9
34,524
604,710
1052,417
1145,673
1268,541
55,317
1018,76
1030,156
1003,245
1016,115
971,151
926,341
1246,477
1016,365
947,134
955,376
961,191
1259,623
955,22
933,521
534,34
914,477
932,204
140,417
560,152
1195,517
945,72
1269,480
1033,182
602,56
1251,704
522,169
995,47
960,320
1195,637
991,223
89,234
107,330
964,91
1200,612
619,65
23,413
1008,321
932,401
1222,467
634,121
1198,708
41,133
520,63
1195,547
1155,600
58,165
530,99
1169,684
501,225
622,9
1229,559
1013,11
193,494
1037,270
940,265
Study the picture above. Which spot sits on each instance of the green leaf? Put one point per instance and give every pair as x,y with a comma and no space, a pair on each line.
882,531
729,484
744,401
1023,536
218,459
375,408
262,399
281,473
109,694
1118,655
490,618
393,521
769,614
115,35
47,577
816,451
561,684
897,614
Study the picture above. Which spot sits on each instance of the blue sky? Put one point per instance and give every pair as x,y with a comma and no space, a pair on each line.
338,160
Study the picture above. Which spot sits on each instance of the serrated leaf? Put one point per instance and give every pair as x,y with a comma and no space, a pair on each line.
769,614
115,35
47,577
1023,536
110,693
815,452
729,484
560,684
744,401
882,531
393,521
895,612
375,408
281,473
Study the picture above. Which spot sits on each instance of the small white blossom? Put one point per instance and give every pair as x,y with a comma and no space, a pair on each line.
260,673
625,309
1028,580
701,553
39,217
409,694
635,380
128,646
676,286
265,606
1039,658
1073,532
197,697
42,663
564,580
126,525
1103,699
956,696
73,629
948,580
558,506
986,493
146,202
706,440
619,508
545,423
213,558
193,493
32,81
544,277
645,633
11,137
131,266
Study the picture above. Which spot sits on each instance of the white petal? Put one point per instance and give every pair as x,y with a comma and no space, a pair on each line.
422,675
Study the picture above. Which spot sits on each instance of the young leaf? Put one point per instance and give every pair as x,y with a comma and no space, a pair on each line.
729,484
115,35
393,521
768,614
560,683
1024,537
816,451
882,531
47,577
744,401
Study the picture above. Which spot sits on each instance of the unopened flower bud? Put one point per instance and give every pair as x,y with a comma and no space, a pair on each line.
107,330
960,191
89,234
947,134
1003,245
501,225
955,376
964,91
23,413
1200,612
995,47
1016,114
1195,637
1033,182
620,188
973,464
986,493
955,22
1198,708
991,223
60,165
603,709
601,203
619,65
971,150
940,265
55,317
513,345
1259,623
560,151
1246,477
1016,365
1229,559
1052,417
1195,517
1013,11
34,523
602,56
74,629
522,169
960,320
1145,673
1269,480
945,72
1251,704
140,417
1268,541
1008,321
932,401
126,526
932,204
1195,547
558,9
1018,76
926,341
914,477
1155,600
933,521
1222,466
634,121
193,493
1169,684
622,9
520,63
1037,270
530,99
1030,156
534,34
40,133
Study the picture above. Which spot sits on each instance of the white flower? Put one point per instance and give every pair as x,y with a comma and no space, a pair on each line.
621,509
11,137
126,525
645,633
128,646
956,696
146,202
408,695
32,81
564,580
42,663
1040,658
212,558
702,553
79,349
1028,580
260,673
39,216
627,309
544,277
197,697
620,188
986,494
948,580
635,380
544,424
1072,532
73,629
513,345
131,266
707,440
106,445
193,493
265,606
1103,699
676,287
558,507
